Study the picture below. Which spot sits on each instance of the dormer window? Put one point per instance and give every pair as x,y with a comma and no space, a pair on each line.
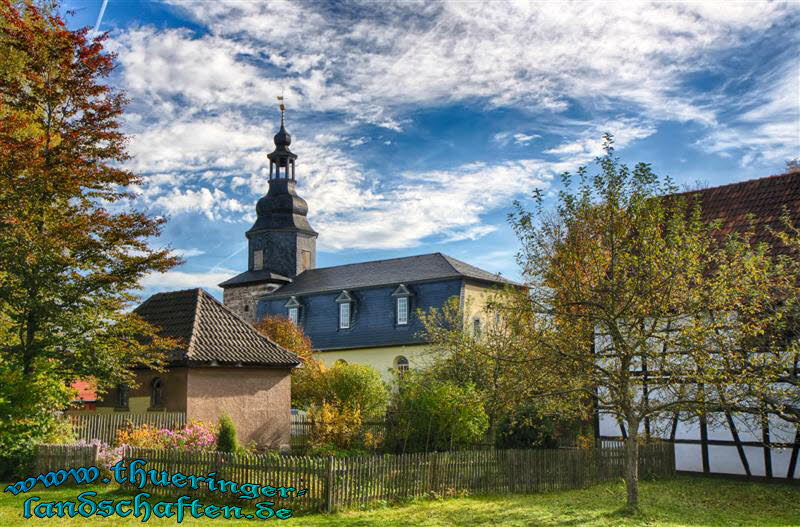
293,310
345,302
402,310
401,297
344,315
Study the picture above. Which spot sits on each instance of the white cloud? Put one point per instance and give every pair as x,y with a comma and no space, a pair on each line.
518,138
440,205
768,128
199,101
175,280
214,204
190,143
538,54
589,143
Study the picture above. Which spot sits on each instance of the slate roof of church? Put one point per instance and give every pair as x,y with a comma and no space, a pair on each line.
209,332
764,198
420,268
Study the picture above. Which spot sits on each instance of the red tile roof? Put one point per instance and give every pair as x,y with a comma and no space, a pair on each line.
765,199
86,391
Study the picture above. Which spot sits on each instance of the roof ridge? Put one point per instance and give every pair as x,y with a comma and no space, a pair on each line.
196,322
790,173
450,263
374,261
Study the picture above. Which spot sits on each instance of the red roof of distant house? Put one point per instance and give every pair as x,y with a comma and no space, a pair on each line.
86,392
764,198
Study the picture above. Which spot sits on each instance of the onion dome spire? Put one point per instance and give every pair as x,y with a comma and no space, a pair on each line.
281,160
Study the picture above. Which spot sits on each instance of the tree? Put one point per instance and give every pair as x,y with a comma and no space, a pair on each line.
637,302
497,361
226,439
70,252
429,415
306,378
287,334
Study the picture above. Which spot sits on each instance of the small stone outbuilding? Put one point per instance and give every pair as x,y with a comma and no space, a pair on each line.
223,365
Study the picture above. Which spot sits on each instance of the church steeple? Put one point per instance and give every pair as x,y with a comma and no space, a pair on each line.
281,160
281,240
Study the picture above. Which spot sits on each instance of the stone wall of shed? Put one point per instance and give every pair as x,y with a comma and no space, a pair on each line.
257,399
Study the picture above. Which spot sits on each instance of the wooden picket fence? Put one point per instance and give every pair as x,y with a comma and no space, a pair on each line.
57,457
341,483
104,426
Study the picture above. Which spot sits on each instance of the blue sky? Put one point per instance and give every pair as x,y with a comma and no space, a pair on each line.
417,124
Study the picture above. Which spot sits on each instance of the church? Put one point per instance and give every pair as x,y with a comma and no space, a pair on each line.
358,313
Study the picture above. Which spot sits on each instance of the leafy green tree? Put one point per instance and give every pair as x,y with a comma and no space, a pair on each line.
70,251
630,289
498,361
345,386
429,415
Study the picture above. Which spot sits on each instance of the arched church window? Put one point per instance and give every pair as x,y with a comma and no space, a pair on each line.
401,364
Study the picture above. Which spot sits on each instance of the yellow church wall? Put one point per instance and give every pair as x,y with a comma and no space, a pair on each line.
382,359
475,299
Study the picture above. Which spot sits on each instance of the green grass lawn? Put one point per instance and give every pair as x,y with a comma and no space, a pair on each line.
680,501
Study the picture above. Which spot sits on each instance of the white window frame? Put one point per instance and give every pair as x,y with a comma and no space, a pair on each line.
402,368
344,315
402,310
294,314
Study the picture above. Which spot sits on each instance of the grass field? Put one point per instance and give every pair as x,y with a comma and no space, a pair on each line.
682,501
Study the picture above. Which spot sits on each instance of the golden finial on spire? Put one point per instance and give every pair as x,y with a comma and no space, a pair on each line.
281,106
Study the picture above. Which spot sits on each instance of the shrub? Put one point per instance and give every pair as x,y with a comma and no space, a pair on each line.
352,386
143,436
226,440
429,415
334,426
194,436
356,387
107,456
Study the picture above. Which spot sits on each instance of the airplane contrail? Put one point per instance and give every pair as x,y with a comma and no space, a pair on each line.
100,16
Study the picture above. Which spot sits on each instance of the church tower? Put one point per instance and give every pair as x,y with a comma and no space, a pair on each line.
281,244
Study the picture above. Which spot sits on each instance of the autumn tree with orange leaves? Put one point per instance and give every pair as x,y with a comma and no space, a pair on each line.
71,248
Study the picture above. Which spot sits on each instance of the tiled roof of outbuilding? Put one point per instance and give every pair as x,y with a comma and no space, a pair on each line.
424,267
764,198
210,332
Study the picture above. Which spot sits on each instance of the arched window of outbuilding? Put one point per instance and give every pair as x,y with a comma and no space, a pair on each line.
157,393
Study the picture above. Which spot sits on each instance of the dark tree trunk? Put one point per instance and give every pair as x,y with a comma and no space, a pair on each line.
632,466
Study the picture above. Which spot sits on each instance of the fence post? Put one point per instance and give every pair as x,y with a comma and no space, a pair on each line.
329,484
